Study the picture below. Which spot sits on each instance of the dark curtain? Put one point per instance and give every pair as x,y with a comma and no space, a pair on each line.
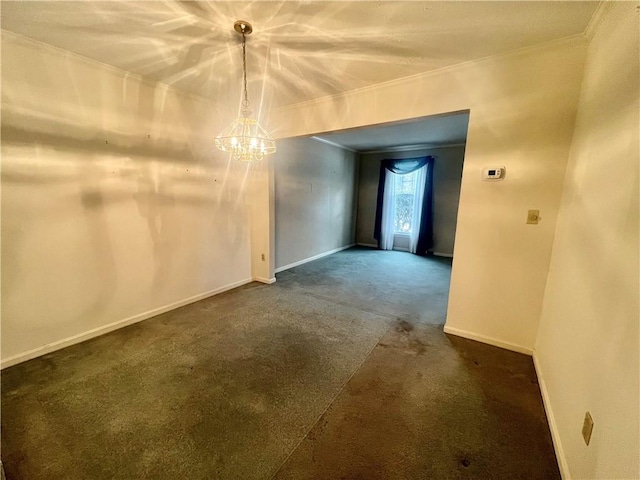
404,166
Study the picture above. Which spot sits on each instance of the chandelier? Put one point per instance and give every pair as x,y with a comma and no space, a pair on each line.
245,139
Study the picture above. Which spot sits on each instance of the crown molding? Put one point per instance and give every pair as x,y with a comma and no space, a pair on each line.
413,148
47,47
541,47
334,144
598,16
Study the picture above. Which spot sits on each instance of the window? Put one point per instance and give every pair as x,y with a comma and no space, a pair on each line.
405,192
401,203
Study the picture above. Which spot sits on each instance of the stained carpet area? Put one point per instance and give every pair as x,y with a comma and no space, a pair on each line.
425,406
339,370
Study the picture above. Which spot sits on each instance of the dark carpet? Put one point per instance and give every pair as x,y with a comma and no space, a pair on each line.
338,371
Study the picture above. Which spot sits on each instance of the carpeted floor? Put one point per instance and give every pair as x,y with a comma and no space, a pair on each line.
337,371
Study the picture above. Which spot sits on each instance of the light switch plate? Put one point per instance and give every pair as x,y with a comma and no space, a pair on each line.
533,216
587,428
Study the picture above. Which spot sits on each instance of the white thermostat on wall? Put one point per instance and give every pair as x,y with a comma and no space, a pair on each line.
493,173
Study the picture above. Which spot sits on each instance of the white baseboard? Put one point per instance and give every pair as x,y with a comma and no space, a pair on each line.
268,281
551,420
489,340
373,245
96,332
311,259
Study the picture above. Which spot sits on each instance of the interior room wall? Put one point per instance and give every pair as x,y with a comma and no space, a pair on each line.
447,173
587,350
315,200
522,111
115,205
260,184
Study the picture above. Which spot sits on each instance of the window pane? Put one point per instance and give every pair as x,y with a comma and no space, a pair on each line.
405,192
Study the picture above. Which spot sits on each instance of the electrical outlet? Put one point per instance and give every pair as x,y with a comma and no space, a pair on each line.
262,257
587,428
533,217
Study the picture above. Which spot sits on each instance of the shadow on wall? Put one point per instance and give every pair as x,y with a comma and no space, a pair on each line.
113,200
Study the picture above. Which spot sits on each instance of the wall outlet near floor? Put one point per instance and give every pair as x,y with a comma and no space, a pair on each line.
533,217
587,428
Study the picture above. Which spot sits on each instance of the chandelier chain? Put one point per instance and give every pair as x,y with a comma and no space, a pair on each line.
245,102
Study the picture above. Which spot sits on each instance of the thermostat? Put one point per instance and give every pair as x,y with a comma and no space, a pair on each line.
493,173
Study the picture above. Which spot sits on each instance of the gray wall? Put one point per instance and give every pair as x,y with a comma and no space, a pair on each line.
447,173
316,193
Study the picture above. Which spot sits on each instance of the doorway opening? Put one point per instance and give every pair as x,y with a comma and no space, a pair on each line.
326,195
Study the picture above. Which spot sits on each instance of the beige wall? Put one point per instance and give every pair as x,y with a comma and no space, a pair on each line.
447,172
114,204
587,350
315,199
522,111
260,191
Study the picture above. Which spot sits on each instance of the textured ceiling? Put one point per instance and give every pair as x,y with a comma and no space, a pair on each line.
299,50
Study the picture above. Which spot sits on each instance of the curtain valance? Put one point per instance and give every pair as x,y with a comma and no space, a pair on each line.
405,165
